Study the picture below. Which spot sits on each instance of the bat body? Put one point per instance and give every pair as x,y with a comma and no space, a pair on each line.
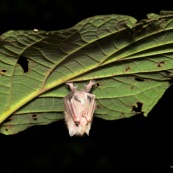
79,109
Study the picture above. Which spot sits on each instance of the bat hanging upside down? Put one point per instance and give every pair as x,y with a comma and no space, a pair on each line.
79,109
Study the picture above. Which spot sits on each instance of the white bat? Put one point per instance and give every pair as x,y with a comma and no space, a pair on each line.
79,109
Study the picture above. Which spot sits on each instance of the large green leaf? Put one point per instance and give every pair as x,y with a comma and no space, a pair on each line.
131,62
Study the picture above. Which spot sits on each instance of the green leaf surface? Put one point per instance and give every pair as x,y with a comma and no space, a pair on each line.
131,62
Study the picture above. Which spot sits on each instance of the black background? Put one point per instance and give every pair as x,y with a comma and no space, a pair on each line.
135,144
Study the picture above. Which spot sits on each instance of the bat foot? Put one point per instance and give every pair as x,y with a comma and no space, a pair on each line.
72,86
89,85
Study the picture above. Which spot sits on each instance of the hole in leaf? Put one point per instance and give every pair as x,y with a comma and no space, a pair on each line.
23,62
2,72
34,117
97,84
160,64
6,129
137,108
127,69
139,79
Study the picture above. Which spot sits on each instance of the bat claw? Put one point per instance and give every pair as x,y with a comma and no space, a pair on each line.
92,82
72,86
89,85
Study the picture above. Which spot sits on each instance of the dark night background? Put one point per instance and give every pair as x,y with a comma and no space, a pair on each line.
135,144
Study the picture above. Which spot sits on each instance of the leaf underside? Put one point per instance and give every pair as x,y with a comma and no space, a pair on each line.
132,63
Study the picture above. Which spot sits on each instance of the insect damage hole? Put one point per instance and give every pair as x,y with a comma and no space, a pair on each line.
34,117
160,64
23,62
137,108
6,130
2,72
127,69
139,79
97,84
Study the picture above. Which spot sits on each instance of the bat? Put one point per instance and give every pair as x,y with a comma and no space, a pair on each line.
79,109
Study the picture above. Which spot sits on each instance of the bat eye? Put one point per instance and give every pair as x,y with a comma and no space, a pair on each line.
76,99
89,98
